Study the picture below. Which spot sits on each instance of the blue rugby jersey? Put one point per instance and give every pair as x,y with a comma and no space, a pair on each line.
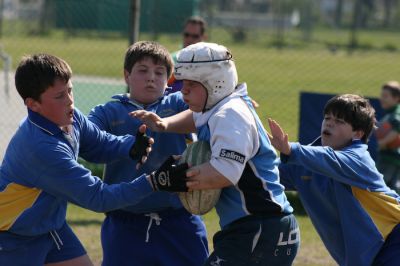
40,173
113,117
346,198
242,152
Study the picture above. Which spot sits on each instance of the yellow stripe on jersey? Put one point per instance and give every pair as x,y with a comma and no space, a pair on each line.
14,200
383,209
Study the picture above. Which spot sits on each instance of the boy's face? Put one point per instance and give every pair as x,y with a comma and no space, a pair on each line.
56,103
194,95
147,81
336,133
387,100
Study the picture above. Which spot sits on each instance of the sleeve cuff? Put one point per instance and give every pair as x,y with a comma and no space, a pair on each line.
143,184
294,146
228,169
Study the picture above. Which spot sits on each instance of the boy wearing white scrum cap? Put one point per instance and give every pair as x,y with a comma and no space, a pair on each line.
257,225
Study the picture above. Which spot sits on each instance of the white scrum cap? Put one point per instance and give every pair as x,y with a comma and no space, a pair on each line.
210,64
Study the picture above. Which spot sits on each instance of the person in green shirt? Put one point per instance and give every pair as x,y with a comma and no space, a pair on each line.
388,135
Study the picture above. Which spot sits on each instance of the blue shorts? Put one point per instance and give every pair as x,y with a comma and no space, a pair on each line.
175,238
256,240
56,246
389,255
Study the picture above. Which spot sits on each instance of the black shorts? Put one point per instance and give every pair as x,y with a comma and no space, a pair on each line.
257,241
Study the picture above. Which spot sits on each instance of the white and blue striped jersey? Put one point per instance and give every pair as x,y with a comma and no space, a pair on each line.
242,152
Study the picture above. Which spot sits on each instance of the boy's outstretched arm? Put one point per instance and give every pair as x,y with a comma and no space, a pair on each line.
278,138
180,123
205,176
150,119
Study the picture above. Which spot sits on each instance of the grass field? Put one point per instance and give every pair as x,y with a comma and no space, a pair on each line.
275,77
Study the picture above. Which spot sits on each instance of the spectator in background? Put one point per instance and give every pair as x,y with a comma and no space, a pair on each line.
388,135
194,31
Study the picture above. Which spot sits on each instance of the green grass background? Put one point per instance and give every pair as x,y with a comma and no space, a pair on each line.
275,77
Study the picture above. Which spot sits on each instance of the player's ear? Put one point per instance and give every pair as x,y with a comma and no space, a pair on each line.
32,104
126,76
358,134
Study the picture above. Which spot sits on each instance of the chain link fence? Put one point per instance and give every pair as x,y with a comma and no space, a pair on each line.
281,47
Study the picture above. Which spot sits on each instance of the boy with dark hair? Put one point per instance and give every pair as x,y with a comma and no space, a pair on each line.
356,215
40,172
257,224
388,135
156,230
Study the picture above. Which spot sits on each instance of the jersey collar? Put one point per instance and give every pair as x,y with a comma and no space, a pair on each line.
124,98
43,123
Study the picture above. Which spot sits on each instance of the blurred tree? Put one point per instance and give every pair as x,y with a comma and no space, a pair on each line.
1,17
388,8
306,21
134,21
46,21
366,12
362,10
339,13
357,9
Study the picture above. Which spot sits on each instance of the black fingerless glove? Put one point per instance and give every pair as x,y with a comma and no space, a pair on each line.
138,149
170,177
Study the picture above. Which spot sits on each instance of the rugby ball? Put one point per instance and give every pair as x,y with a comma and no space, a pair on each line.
198,201
383,129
